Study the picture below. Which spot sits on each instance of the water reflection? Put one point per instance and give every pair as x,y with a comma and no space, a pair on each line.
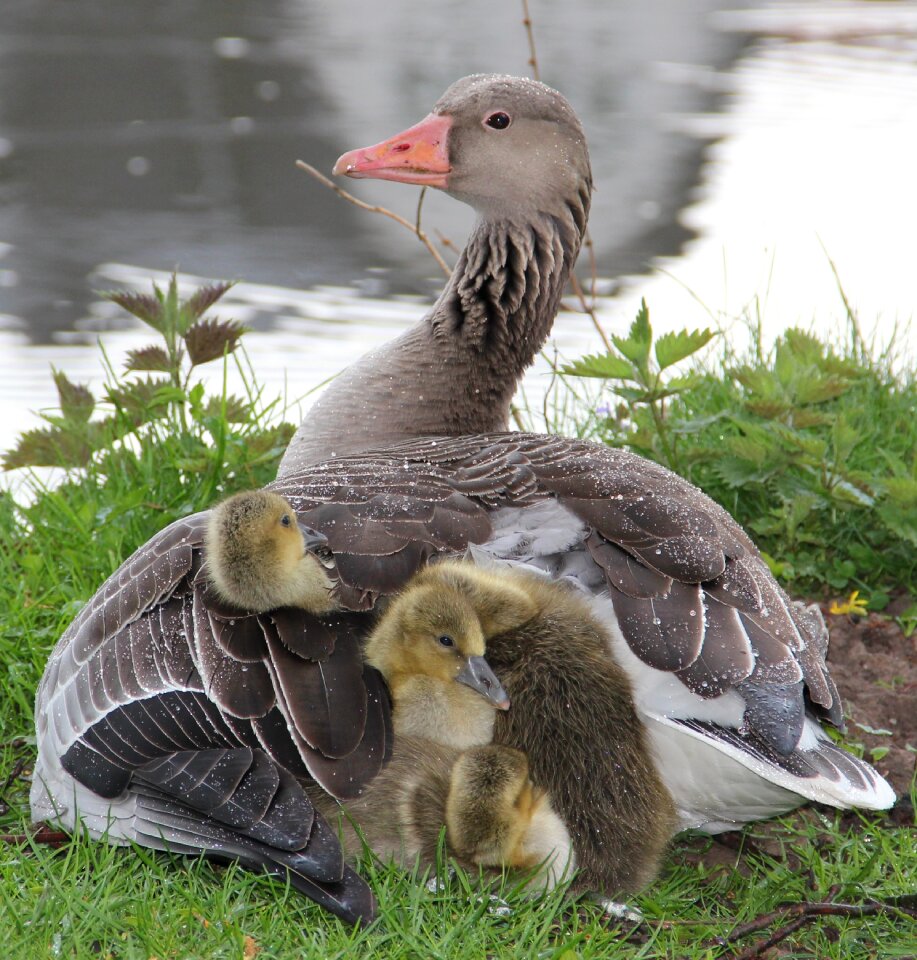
154,136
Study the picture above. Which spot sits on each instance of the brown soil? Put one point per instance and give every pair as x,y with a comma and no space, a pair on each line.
875,668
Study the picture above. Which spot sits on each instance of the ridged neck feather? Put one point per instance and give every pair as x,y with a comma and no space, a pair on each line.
456,371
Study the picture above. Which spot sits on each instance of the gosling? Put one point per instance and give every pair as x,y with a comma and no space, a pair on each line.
259,557
429,647
444,772
573,717
494,817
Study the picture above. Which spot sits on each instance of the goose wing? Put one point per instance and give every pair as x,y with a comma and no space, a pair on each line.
167,719
714,646
692,595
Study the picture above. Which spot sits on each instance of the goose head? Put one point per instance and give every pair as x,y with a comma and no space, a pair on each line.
433,633
508,146
259,557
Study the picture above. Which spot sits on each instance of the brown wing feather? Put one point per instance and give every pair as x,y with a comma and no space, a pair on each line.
692,593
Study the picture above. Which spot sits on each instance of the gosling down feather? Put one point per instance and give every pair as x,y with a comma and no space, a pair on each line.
444,772
404,458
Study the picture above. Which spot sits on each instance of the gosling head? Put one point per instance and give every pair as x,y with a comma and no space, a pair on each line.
259,557
432,631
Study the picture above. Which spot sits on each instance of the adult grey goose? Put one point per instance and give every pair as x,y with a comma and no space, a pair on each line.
167,719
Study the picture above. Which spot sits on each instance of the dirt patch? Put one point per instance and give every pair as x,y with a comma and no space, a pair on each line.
875,668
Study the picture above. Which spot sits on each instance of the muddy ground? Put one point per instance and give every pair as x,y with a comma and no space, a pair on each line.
875,668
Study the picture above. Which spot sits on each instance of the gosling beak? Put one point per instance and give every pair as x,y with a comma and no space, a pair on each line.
477,674
317,544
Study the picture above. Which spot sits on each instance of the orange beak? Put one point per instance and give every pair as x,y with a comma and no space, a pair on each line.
419,155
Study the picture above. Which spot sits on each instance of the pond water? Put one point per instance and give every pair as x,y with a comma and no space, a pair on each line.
739,149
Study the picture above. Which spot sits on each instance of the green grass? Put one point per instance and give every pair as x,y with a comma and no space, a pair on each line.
87,899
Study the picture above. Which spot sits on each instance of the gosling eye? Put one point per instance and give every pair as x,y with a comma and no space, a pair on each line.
446,641
498,120
286,520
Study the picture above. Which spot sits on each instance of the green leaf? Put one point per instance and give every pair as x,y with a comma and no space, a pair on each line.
48,447
636,345
142,399
76,401
749,448
605,366
818,389
236,409
902,491
672,347
148,359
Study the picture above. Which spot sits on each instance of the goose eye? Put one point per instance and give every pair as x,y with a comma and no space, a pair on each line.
286,520
447,641
498,120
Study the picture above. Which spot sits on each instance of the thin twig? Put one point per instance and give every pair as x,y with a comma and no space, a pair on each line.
589,309
444,241
374,208
533,55
803,913
44,835
755,950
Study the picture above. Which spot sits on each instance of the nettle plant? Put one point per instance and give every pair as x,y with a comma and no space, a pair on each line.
639,362
812,450
158,401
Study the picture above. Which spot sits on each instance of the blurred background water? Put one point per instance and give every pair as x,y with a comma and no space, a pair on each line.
739,149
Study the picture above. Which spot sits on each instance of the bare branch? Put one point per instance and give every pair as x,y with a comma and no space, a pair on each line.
374,208
589,308
533,55
803,913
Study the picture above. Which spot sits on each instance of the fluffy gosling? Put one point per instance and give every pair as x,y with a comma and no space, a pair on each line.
429,646
573,716
259,557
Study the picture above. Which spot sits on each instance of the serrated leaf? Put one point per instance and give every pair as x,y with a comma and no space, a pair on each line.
672,347
634,394
142,399
636,345
151,358
735,472
147,309
209,339
804,346
769,409
902,523
818,389
76,400
747,448
605,366
48,447
205,297
237,410
902,490
810,418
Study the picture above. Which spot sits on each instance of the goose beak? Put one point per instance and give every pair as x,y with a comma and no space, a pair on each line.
477,674
418,155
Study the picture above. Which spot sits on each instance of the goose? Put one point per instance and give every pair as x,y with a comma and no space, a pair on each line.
494,816
551,653
728,674
157,686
